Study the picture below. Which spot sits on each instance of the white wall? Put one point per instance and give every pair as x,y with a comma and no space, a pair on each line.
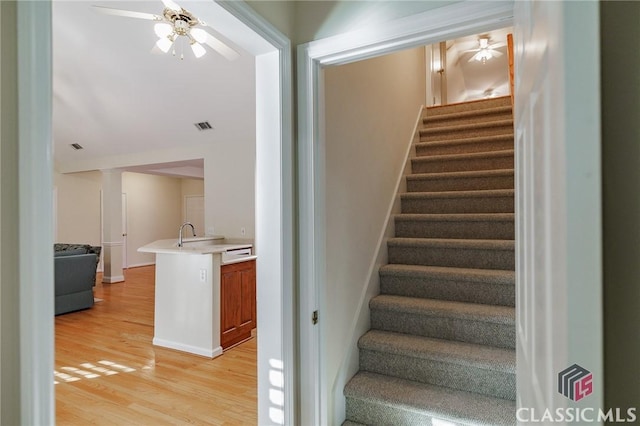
370,108
78,208
154,209
456,86
154,212
319,19
229,173
192,187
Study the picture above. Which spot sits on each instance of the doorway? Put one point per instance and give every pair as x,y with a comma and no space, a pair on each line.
326,401
274,233
124,231
194,212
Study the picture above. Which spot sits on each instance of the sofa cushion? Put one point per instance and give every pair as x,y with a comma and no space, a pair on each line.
73,252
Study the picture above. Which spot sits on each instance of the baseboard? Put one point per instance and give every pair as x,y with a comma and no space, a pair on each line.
110,280
140,265
137,265
360,323
209,353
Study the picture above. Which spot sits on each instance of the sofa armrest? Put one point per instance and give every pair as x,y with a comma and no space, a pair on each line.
74,273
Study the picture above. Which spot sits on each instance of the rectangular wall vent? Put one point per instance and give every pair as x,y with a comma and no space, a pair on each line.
205,125
76,146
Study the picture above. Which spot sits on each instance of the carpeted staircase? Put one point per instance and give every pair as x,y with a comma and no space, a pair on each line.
441,346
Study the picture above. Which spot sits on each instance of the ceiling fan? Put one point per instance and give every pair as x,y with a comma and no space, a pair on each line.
486,51
173,23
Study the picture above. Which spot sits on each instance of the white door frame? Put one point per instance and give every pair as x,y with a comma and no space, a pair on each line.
445,23
125,231
36,333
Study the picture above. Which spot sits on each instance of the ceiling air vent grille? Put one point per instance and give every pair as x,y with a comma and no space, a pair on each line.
205,125
76,146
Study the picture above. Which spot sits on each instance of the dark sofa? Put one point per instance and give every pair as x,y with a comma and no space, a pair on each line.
74,276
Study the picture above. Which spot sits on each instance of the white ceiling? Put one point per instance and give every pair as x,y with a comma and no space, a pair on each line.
480,78
116,98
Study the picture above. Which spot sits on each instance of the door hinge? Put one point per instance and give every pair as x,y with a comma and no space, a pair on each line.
314,317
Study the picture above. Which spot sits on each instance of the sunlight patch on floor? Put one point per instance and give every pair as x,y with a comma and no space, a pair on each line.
89,371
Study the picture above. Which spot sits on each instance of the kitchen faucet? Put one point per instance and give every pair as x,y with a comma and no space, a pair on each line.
193,230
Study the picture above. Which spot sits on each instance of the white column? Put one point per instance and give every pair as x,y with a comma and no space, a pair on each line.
112,226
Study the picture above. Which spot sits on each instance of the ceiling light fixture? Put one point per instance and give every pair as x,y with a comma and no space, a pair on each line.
176,22
486,51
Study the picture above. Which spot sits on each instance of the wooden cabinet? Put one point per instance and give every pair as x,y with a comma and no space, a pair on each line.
237,302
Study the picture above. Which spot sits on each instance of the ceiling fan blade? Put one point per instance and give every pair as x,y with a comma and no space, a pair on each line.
471,59
127,13
220,47
171,5
497,45
471,50
496,53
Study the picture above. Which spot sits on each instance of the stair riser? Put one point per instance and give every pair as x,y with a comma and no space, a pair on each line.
467,378
485,230
458,205
462,330
460,184
469,106
376,413
449,133
437,165
479,117
457,291
462,148
452,257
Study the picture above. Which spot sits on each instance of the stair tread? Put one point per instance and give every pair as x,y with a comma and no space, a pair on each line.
445,308
453,243
462,141
497,276
455,217
477,104
436,401
460,175
471,113
481,193
464,156
469,126
453,352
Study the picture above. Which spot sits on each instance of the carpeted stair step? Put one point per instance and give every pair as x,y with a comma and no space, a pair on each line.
489,128
481,104
465,145
464,366
503,112
484,286
350,423
463,322
376,399
492,160
488,226
457,253
461,181
484,201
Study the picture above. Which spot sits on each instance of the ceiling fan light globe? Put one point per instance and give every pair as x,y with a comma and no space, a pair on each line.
199,35
164,44
483,56
162,29
198,50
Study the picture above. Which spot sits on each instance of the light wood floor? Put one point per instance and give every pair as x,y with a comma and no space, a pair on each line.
107,372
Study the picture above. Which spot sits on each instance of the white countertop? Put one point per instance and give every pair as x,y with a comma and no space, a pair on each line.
204,245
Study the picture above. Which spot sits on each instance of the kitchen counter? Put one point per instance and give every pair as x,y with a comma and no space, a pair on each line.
231,252
188,291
